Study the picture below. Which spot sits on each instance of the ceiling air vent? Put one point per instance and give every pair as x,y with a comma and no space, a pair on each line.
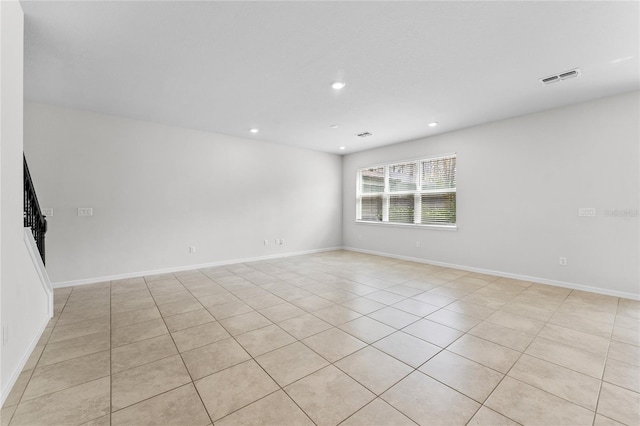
364,134
559,77
569,74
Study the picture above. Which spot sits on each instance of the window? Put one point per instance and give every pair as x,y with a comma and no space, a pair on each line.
421,192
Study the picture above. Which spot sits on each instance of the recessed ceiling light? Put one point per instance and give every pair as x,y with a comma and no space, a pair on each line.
334,126
254,130
433,124
337,85
342,148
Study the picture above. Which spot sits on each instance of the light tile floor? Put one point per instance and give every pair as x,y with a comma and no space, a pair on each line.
331,338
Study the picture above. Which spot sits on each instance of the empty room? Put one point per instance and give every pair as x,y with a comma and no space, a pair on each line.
320,213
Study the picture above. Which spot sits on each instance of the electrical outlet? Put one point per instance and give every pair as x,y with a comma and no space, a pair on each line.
417,243
192,249
85,211
48,212
281,241
266,242
563,261
587,211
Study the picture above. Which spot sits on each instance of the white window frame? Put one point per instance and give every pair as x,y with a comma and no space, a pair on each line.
418,192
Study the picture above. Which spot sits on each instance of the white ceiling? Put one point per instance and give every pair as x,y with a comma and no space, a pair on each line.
226,67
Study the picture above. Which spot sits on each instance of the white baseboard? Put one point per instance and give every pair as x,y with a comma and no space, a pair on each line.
38,265
186,268
556,283
540,280
23,362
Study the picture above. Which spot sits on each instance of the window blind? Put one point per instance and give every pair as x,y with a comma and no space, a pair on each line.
420,192
402,177
372,180
401,208
372,209
439,173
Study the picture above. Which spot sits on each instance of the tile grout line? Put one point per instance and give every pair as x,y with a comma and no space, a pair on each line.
196,298
482,404
333,363
515,362
297,271
151,362
34,368
178,350
519,357
280,388
371,402
396,330
604,369
300,341
53,364
259,365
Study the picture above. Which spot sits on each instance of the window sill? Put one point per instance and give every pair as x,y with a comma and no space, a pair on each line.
410,225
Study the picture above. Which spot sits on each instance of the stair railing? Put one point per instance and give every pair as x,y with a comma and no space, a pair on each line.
33,217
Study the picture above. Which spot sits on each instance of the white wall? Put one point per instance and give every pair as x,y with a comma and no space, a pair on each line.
156,190
23,299
520,184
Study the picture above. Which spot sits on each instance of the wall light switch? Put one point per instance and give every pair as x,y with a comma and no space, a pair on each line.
587,211
47,212
85,211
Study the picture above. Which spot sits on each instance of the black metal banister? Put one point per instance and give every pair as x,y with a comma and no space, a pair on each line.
33,217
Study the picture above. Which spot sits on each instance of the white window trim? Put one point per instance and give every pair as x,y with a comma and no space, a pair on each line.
410,225
418,192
